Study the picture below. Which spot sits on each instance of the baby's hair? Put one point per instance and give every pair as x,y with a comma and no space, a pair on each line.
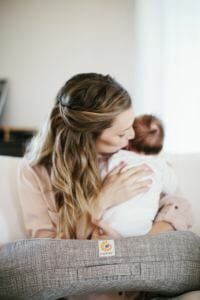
149,135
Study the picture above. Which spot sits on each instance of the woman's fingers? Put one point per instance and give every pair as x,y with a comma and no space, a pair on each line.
139,190
133,192
139,184
95,234
120,186
142,170
117,169
135,172
137,181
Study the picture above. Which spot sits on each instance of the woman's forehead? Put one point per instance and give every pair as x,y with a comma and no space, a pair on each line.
124,120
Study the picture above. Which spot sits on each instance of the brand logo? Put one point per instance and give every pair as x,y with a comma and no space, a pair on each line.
106,248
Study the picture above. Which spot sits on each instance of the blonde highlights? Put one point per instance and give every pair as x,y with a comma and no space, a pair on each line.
85,106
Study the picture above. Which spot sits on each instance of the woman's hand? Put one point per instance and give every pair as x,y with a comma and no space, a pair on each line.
121,185
161,226
103,231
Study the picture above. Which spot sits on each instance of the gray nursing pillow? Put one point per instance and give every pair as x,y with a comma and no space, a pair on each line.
167,264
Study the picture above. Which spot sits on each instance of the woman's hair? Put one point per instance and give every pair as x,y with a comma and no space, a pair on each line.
149,135
85,106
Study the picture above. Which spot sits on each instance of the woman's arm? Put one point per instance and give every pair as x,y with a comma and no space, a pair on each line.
35,211
161,226
175,210
174,214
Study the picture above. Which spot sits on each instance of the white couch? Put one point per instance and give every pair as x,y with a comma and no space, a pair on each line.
187,168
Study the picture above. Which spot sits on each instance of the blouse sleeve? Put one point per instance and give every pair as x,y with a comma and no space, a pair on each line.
175,210
35,211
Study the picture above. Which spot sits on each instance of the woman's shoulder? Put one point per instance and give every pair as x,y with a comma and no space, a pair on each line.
35,176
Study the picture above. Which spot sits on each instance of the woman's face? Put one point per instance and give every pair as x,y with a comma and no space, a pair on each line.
117,136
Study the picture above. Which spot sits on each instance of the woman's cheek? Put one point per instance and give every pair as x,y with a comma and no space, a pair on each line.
122,143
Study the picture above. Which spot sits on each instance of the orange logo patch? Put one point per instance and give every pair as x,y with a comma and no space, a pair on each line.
106,248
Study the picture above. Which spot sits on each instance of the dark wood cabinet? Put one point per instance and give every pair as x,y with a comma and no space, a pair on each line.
14,140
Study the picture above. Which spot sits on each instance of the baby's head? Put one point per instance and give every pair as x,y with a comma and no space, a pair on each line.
149,135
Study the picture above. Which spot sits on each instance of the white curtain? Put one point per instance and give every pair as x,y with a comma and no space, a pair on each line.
166,79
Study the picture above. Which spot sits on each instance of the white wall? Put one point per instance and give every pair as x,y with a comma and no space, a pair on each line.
166,61
181,64
150,46
147,58
44,42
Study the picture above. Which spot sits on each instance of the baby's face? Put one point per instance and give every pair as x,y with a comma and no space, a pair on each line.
117,136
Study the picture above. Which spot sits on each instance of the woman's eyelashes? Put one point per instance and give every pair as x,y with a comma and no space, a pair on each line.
121,135
129,133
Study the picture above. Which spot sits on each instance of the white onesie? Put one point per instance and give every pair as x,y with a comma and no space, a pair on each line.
135,216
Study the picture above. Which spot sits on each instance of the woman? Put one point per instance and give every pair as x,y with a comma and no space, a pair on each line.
61,192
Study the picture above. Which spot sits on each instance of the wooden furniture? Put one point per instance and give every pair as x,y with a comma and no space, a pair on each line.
13,140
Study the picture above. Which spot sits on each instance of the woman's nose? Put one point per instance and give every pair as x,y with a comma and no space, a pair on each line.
131,134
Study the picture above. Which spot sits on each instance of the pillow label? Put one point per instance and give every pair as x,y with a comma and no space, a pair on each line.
106,248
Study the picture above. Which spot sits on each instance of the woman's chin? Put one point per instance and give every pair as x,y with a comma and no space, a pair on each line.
111,151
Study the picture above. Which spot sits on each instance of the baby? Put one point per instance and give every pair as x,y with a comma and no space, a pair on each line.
135,216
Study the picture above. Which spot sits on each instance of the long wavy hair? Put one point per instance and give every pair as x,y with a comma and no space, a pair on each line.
85,106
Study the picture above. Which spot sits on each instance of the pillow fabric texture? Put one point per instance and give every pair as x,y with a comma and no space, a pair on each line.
167,263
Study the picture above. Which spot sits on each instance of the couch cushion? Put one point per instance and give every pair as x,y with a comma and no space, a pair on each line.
11,218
